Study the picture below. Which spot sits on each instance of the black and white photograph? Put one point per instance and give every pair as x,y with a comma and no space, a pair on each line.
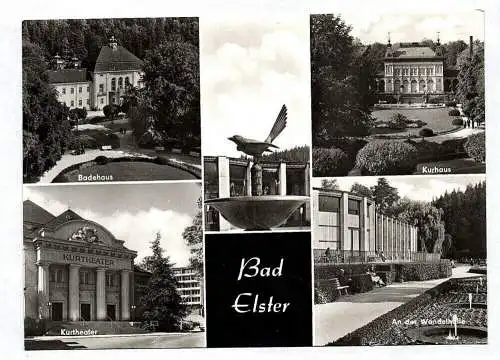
113,266
256,123
398,93
400,260
111,100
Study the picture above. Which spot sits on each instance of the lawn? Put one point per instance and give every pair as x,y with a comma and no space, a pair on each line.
133,171
437,119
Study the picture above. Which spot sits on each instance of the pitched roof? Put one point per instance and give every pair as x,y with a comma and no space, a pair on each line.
117,59
34,213
68,215
403,51
67,76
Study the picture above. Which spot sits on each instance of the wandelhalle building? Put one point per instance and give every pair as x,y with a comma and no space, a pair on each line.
116,69
75,269
352,230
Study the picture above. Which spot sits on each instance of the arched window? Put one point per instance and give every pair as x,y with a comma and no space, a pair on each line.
430,85
414,86
120,83
421,86
113,84
127,82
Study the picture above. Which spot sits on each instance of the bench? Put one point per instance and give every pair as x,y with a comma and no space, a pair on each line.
338,287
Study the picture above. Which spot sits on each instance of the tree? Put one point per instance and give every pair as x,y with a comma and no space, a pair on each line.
338,108
171,79
193,236
470,89
46,128
384,194
362,190
329,184
161,301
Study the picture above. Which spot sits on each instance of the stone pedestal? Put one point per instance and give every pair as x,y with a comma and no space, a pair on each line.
74,293
256,180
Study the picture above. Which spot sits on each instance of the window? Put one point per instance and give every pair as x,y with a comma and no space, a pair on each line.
72,103
52,275
109,279
59,276
88,102
79,102
353,207
79,89
113,84
127,82
102,101
120,83
72,90
328,203
101,88
88,89
84,277
64,91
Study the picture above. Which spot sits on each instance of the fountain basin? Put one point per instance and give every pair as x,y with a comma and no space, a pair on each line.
257,212
438,335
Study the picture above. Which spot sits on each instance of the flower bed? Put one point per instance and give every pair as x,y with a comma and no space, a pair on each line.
435,308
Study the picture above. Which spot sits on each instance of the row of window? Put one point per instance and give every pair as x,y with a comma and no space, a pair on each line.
424,71
329,203
72,90
113,84
86,277
80,103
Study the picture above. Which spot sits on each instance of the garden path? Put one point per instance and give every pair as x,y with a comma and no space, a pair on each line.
460,134
334,320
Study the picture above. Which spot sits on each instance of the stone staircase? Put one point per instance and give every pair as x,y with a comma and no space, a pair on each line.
87,328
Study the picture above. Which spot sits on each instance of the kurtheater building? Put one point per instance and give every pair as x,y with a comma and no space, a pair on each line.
116,69
75,269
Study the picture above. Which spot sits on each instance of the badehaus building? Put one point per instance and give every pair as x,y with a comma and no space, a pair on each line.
75,269
347,228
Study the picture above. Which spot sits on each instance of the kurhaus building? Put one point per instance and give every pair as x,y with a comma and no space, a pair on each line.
116,69
75,269
230,177
350,228
413,68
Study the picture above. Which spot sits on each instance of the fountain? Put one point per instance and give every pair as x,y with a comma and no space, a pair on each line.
258,211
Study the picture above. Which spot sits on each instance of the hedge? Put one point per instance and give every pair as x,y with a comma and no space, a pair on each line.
398,122
451,104
350,146
454,112
330,162
457,122
361,283
387,158
426,132
101,160
324,292
34,327
420,271
475,147
368,334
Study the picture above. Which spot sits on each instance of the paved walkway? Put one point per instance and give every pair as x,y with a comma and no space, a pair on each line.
460,134
334,320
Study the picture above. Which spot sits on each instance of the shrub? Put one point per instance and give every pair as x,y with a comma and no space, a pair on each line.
61,178
350,146
475,147
426,132
160,160
457,122
421,271
454,112
361,283
34,327
451,104
320,297
101,160
330,162
427,150
397,122
387,158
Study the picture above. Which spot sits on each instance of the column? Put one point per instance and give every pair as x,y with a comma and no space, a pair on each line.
125,306
248,179
43,290
282,179
344,223
224,187
74,293
363,224
100,294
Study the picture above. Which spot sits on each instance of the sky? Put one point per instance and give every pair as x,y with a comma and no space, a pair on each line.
415,187
414,25
249,69
132,212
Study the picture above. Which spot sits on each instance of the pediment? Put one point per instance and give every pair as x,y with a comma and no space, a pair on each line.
87,232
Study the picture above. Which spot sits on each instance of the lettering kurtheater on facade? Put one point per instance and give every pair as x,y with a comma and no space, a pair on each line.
87,259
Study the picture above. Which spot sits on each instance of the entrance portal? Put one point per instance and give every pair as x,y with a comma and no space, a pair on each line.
85,312
110,310
57,311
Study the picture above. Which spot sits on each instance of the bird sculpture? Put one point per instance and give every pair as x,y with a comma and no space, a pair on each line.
256,148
